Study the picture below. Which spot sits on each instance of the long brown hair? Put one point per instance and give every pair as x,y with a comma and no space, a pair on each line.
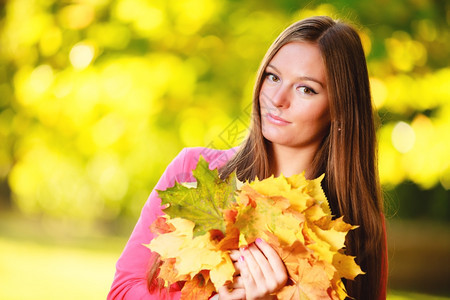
347,154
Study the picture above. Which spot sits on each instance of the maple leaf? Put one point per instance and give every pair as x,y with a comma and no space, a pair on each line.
204,204
302,193
223,272
186,249
346,266
169,273
161,226
199,288
254,221
313,283
291,254
332,231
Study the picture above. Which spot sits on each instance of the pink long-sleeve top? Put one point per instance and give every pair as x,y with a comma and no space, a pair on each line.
130,280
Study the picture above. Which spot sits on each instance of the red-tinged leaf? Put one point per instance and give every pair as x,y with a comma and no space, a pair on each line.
199,288
229,215
169,273
161,226
216,235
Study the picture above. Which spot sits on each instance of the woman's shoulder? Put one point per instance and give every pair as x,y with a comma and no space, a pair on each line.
215,157
180,169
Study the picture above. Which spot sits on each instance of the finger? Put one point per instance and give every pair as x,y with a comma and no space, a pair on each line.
247,277
226,294
238,294
273,259
238,283
234,255
250,271
261,260
269,277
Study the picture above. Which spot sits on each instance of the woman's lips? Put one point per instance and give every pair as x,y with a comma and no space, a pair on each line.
276,120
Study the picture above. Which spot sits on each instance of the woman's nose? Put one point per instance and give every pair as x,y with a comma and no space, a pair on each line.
280,97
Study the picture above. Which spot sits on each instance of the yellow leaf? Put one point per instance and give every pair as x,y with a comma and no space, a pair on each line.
311,190
314,189
223,272
272,186
346,266
176,239
314,213
181,245
332,231
298,181
188,257
320,247
339,291
254,222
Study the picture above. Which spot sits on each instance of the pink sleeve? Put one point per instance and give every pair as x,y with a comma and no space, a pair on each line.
130,280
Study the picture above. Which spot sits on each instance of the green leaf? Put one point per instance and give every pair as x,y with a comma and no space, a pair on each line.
203,204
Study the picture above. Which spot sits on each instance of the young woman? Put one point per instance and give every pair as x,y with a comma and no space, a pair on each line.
313,112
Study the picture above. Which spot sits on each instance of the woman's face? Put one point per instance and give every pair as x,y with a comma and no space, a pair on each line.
293,97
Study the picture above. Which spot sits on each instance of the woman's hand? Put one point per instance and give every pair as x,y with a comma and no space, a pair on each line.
235,290
260,273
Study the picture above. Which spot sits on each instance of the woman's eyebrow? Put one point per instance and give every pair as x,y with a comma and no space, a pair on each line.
301,77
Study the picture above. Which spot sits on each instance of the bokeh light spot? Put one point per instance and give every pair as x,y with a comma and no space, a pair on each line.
403,137
81,55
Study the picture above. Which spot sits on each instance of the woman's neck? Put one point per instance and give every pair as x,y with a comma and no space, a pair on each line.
290,161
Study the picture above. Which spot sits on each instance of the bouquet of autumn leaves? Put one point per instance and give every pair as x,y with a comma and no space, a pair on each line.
203,223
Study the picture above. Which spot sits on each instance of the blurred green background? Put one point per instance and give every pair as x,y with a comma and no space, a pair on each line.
97,97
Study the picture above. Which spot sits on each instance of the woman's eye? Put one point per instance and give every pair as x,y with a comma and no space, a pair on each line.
306,90
273,77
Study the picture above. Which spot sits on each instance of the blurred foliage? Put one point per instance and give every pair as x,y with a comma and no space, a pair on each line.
97,96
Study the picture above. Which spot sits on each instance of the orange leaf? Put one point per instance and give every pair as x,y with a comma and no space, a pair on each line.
231,239
169,273
199,288
291,254
313,283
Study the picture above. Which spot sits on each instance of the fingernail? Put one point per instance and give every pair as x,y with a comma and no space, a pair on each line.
241,259
258,240
245,248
